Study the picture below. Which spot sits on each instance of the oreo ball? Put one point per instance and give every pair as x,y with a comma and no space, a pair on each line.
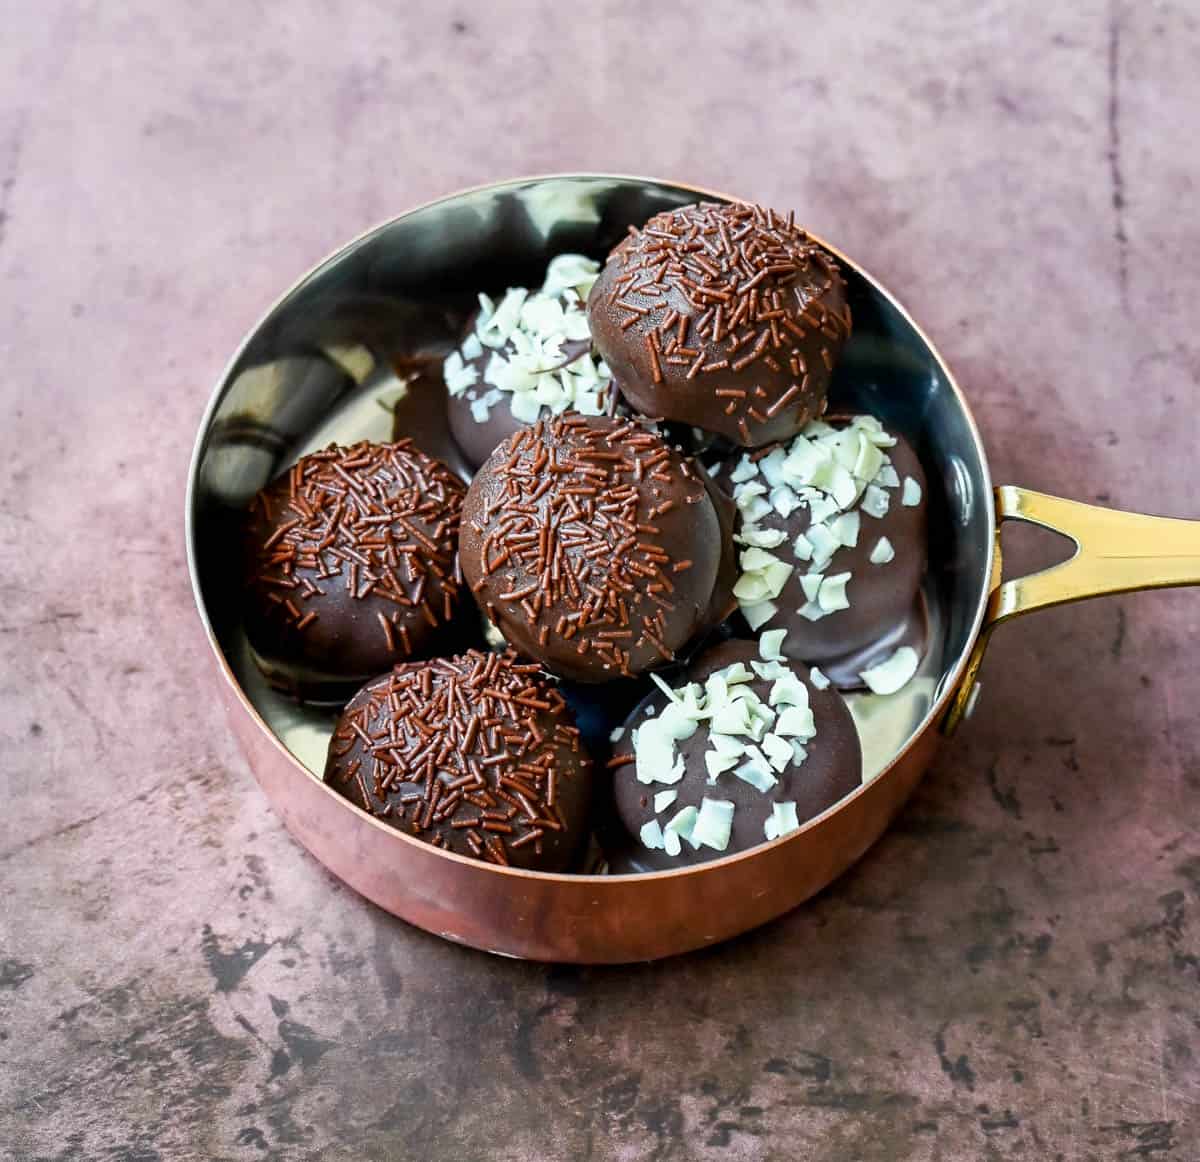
476,754
832,531
351,567
743,750
722,317
595,548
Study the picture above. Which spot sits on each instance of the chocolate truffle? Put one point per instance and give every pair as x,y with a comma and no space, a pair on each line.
351,566
477,754
745,748
525,358
832,529
724,317
595,548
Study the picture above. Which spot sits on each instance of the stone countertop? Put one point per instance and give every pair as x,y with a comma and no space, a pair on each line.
1012,972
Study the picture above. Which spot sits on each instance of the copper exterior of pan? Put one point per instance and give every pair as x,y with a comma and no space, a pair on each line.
397,289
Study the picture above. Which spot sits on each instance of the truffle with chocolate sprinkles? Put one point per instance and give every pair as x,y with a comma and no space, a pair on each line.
595,548
477,754
726,317
352,566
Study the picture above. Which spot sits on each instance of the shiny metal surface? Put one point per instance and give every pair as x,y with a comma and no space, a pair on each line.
317,367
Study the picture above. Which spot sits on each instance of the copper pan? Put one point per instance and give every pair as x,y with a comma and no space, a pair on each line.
318,364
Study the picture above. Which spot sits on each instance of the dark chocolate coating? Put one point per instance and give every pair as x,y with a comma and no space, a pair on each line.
351,567
595,548
832,770
750,364
477,754
882,597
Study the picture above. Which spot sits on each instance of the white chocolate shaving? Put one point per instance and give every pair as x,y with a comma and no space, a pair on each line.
783,820
526,331
714,825
893,674
882,553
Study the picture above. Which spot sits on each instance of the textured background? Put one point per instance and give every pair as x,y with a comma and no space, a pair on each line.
1012,972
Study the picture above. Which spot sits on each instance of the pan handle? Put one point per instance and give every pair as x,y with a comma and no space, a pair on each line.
1115,552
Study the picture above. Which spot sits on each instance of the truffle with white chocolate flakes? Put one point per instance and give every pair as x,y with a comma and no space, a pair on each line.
745,749
352,566
477,754
595,548
725,317
832,540
526,357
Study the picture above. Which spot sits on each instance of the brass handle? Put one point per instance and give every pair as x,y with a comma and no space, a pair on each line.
1115,552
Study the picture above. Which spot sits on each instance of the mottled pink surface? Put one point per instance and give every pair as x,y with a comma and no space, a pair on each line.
1014,971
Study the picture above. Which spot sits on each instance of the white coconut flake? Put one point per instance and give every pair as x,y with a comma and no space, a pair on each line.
887,477
894,674
758,613
652,835
818,679
770,645
832,596
756,771
683,824
796,722
783,821
802,547
911,495
824,544
714,824
663,800
778,751
769,671
788,690
746,470
761,538
845,528
717,764
616,734
883,552
875,502
784,501
574,272
799,752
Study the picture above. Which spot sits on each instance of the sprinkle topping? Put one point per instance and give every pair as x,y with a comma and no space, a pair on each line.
377,520
572,544
731,294
467,752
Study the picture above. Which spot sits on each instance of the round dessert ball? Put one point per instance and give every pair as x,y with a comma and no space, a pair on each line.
744,749
524,358
352,566
595,548
476,754
724,317
832,537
